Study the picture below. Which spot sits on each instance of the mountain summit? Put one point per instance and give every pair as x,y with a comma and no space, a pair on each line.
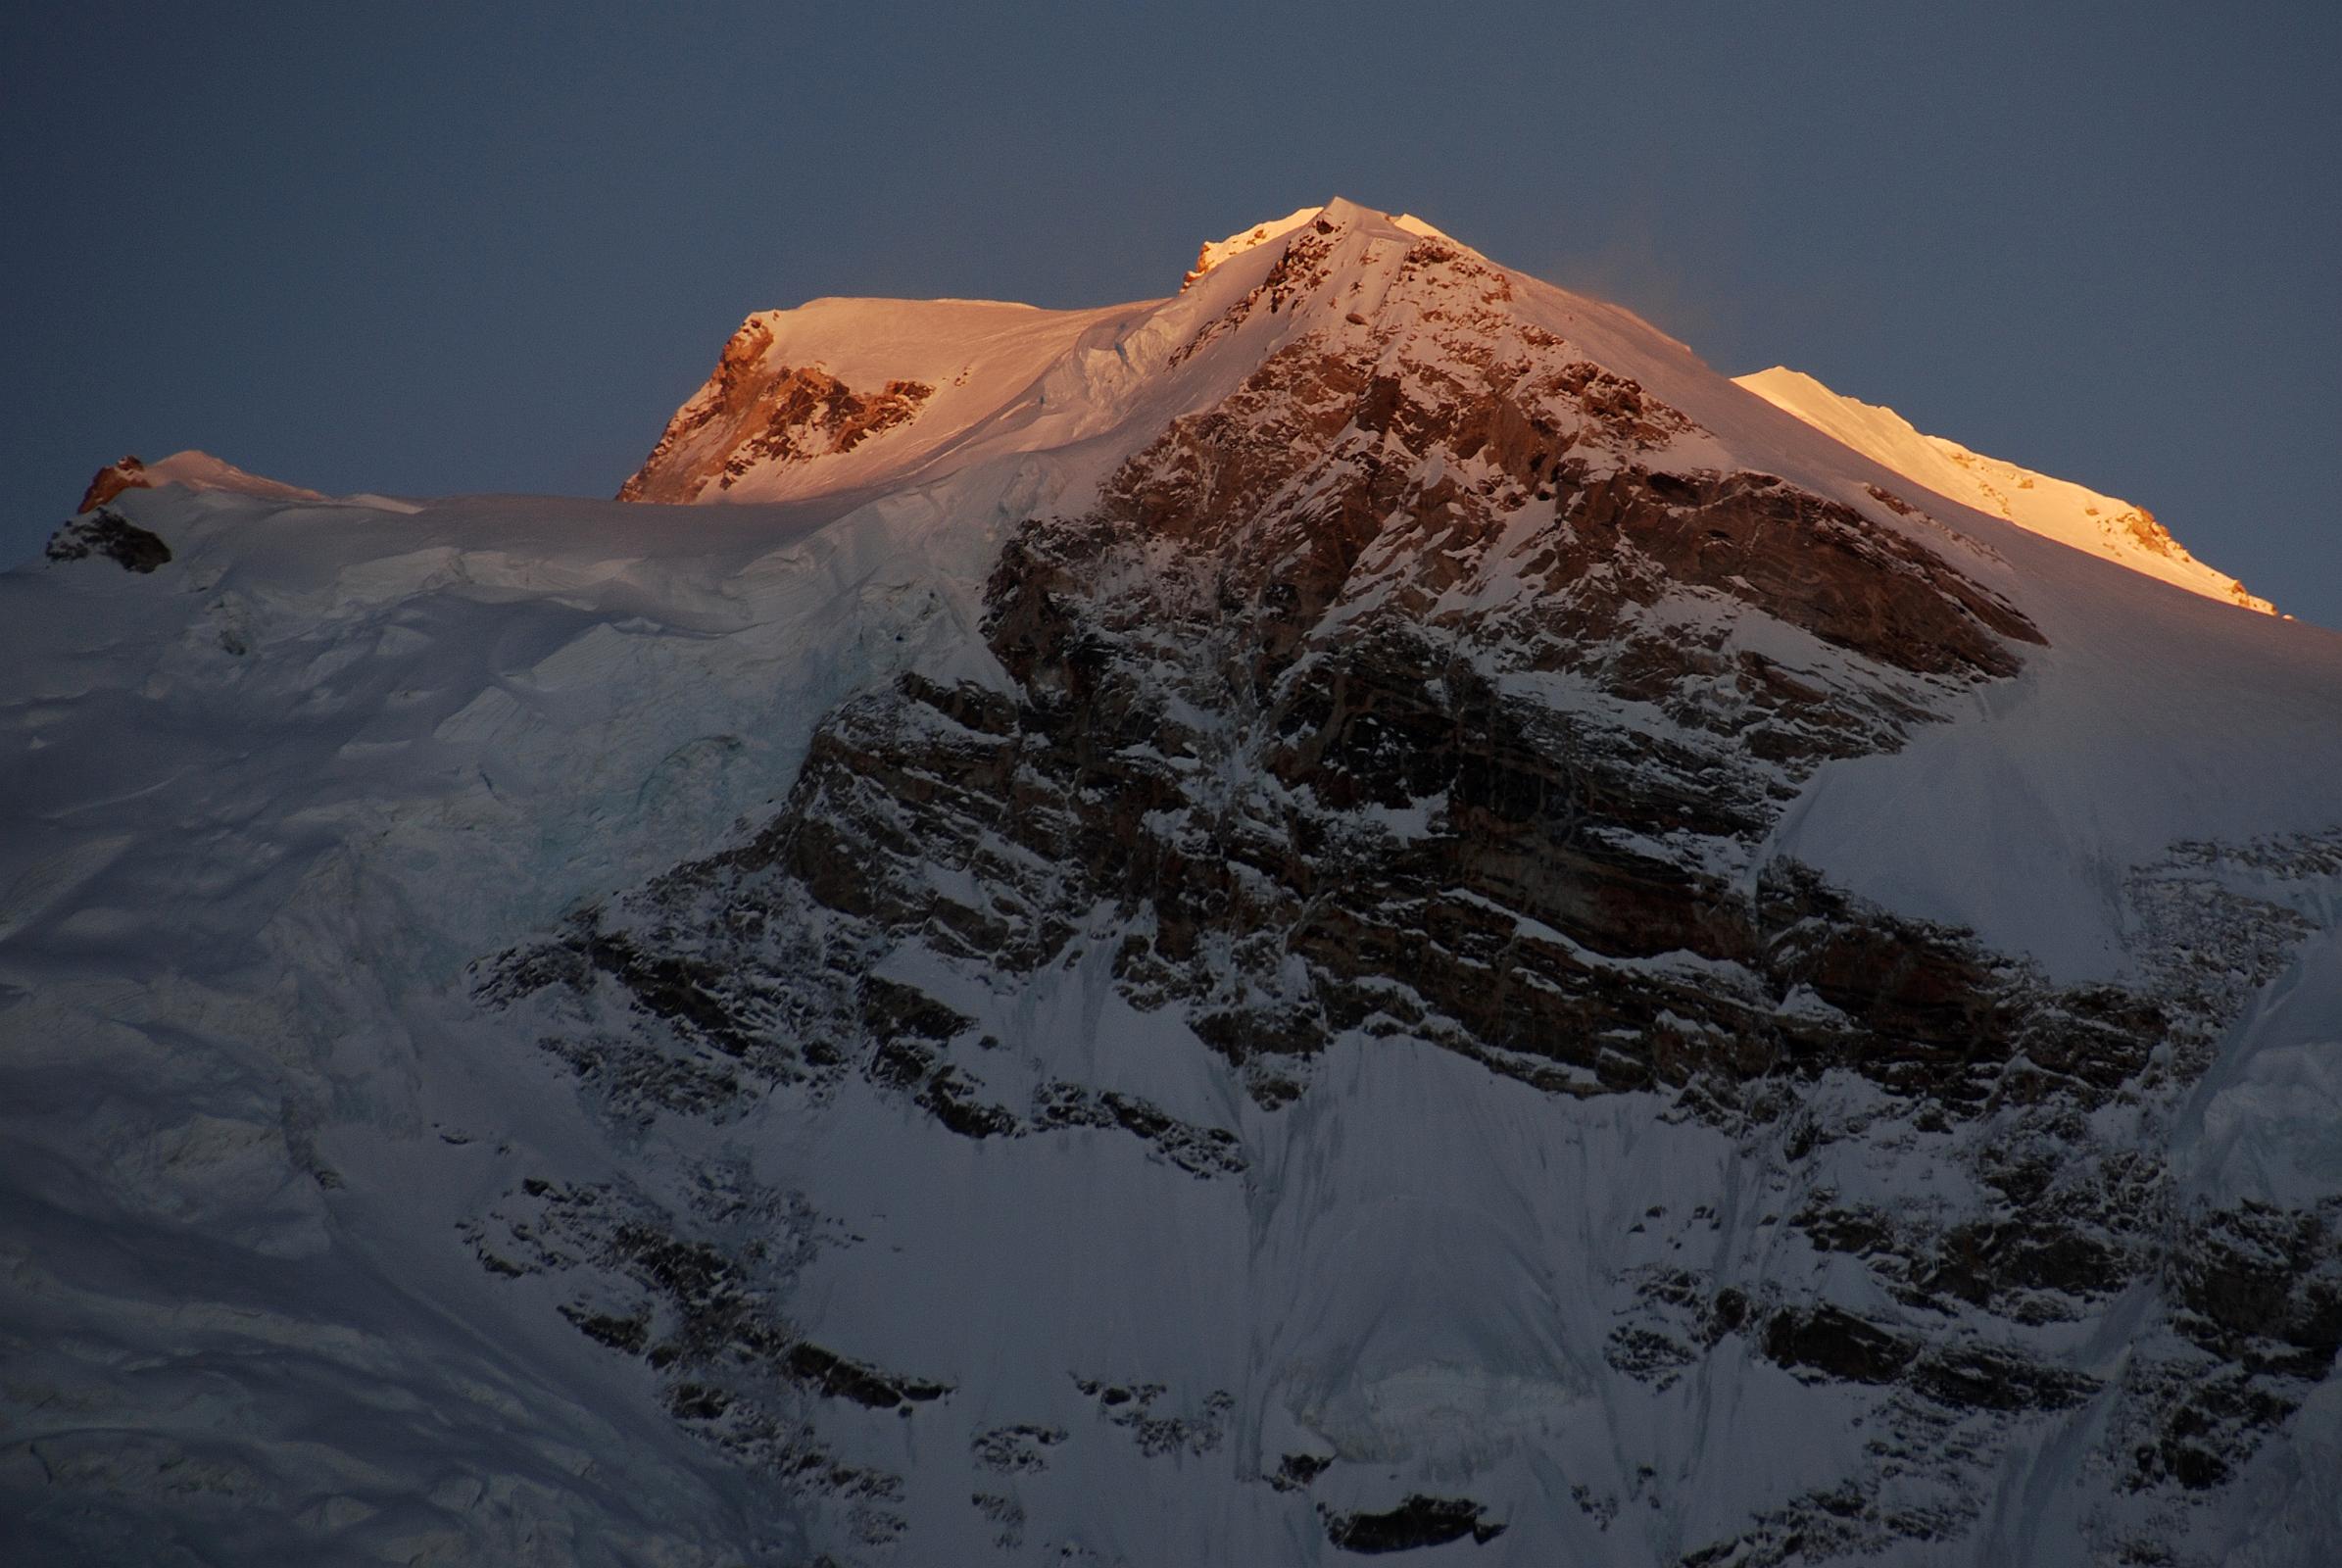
1358,911
840,393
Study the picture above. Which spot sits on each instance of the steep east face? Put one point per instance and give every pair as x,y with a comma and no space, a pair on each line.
1227,972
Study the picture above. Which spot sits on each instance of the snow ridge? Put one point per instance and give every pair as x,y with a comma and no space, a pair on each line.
2114,529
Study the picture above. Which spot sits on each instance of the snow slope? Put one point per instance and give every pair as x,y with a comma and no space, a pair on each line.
292,1221
2055,508
262,806
199,470
1214,252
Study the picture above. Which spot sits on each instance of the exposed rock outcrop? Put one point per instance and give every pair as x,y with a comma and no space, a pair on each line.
123,473
107,533
754,412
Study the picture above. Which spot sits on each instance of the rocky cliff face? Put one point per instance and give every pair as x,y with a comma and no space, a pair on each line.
754,412
123,473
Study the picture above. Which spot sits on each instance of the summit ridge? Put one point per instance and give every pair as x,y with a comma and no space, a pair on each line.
839,392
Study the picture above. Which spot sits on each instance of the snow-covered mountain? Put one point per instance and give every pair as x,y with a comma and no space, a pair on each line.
1357,910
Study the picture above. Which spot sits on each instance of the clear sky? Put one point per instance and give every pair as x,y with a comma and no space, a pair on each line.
437,247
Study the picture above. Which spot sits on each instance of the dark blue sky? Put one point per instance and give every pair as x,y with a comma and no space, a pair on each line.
427,248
